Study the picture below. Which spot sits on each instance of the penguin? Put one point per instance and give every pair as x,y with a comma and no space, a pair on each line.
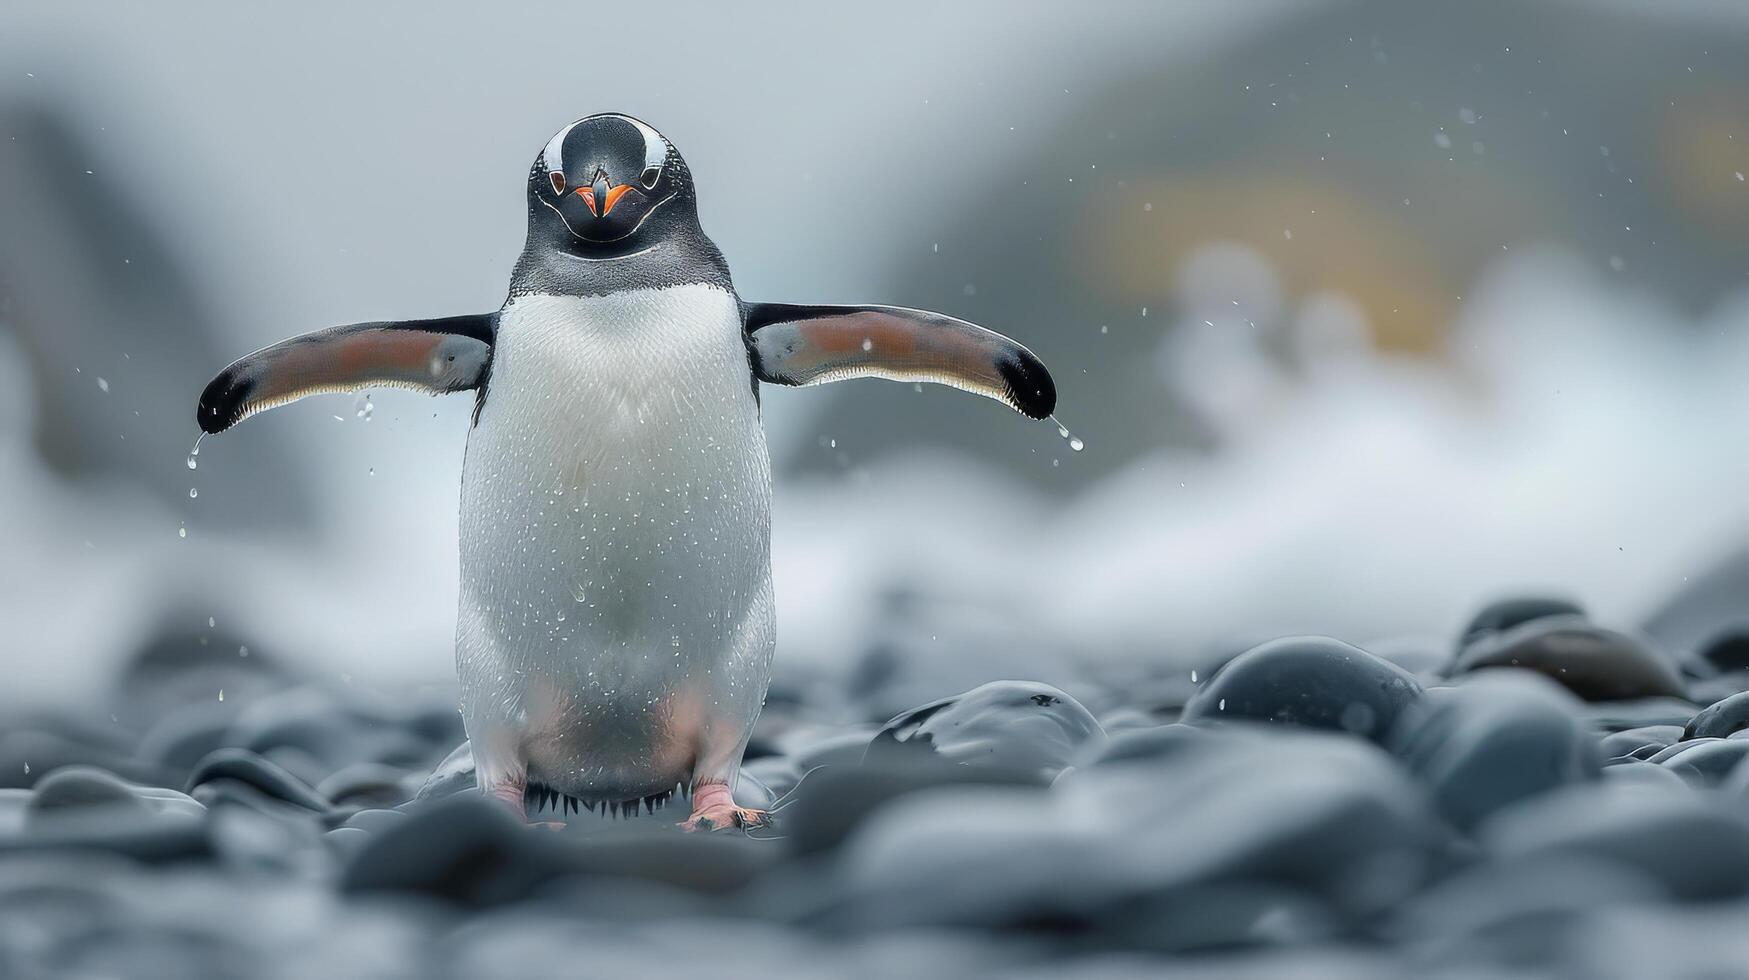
616,624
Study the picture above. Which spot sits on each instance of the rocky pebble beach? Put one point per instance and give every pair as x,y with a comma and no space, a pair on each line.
1539,794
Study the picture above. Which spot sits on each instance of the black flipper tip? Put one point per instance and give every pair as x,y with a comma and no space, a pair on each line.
1032,391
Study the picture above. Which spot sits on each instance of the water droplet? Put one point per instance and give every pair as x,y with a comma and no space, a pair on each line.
27,768
364,407
182,532
103,385
1223,705
221,694
1193,675
1075,442
211,622
867,344
193,492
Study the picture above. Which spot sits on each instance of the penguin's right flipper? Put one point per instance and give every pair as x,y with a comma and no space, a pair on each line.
434,356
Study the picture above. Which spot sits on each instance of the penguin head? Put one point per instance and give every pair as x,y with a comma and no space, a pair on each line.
611,184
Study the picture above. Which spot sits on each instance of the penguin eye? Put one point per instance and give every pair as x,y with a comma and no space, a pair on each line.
651,175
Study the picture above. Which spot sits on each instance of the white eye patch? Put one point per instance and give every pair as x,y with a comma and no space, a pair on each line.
655,148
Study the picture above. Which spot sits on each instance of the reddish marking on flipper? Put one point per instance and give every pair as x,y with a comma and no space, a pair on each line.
713,808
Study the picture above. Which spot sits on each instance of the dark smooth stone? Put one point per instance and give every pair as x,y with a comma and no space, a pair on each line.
76,789
1495,740
470,851
1691,843
1640,775
833,801
367,784
467,850
1504,614
1728,651
1712,690
455,774
255,832
1720,719
180,739
1312,681
1127,719
169,840
1636,740
330,728
248,768
82,808
1484,908
1595,663
346,841
1644,753
1218,918
1619,716
375,821
1161,741
1328,817
85,806
224,792
27,754
1707,760
1013,726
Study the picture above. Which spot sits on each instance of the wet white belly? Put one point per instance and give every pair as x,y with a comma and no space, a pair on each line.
616,612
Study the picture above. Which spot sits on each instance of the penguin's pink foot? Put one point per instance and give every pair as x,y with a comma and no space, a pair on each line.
510,794
714,809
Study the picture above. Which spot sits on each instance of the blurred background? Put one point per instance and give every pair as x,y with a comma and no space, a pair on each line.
1367,312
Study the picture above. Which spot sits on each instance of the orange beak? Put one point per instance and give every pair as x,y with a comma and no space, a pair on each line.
611,198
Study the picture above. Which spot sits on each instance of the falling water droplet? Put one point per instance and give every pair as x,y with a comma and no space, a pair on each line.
193,492
221,694
1193,675
867,344
211,621
1075,442
182,532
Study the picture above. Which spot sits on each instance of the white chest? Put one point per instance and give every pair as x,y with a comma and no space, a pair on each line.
617,491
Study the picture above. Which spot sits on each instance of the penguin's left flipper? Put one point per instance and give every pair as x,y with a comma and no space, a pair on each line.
810,345
434,356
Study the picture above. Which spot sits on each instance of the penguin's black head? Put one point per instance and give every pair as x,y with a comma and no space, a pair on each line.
614,184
